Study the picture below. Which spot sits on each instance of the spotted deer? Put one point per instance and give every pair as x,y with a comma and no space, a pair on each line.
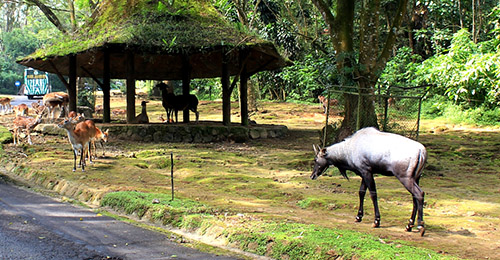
323,101
21,110
26,123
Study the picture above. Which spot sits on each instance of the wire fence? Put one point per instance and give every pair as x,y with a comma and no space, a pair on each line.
398,109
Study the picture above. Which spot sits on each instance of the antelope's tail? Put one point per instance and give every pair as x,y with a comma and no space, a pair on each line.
422,158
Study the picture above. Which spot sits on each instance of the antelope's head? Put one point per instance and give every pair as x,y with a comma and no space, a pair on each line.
320,162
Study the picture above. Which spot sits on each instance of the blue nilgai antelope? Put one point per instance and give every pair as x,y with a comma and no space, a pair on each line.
370,151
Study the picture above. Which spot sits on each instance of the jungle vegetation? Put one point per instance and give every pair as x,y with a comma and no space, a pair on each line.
448,47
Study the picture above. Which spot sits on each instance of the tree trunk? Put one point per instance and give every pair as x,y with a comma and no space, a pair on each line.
72,15
358,115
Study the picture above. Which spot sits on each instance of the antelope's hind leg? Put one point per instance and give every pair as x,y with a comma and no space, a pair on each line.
418,205
411,221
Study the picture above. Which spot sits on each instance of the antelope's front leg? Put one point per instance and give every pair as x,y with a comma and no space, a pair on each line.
370,183
362,193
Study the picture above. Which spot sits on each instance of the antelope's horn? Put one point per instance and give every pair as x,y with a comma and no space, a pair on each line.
315,150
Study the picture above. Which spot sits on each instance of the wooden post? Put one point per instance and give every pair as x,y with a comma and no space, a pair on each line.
186,81
72,84
244,98
226,94
106,88
130,88
243,89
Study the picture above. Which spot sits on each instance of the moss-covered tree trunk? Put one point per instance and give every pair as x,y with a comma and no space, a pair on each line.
363,69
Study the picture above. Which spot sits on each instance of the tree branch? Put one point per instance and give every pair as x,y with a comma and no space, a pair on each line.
49,14
325,11
391,37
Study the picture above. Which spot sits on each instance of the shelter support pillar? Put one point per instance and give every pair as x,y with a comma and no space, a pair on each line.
72,84
226,92
130,88
243,90
186,81
106,88
244,99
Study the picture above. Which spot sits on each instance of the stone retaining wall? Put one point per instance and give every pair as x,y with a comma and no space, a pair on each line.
188,133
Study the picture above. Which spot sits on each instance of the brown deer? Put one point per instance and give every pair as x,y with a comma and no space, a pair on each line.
37,108
55,100
142,118
5,104
21,110
25,123
78,117
324,102
119,111
99,109
79,136
101,137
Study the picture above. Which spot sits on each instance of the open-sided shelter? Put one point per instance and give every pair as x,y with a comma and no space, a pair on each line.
158,40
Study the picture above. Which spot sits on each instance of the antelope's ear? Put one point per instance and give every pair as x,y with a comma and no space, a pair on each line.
106,131
323,152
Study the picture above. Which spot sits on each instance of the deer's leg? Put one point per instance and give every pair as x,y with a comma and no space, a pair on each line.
89,148
74,160
370,183
102,145
197,115
82,158
28,133
16,135
362,193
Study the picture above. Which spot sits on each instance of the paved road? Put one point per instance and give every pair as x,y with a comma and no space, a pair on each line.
33,226
16,100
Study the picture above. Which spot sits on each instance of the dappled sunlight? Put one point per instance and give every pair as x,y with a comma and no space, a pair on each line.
269,178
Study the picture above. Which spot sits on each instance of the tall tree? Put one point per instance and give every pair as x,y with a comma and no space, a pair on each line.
362,63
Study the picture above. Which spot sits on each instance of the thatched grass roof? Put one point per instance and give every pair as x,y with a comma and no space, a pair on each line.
160,33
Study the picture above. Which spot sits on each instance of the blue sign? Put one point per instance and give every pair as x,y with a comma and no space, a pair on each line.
18,83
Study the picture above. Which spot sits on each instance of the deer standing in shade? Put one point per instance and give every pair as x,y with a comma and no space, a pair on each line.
173,103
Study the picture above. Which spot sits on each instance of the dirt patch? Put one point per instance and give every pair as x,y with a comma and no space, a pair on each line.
270,178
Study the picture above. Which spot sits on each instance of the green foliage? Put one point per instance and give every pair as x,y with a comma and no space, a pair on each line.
303,81
15,43
440,107
401,69
466,75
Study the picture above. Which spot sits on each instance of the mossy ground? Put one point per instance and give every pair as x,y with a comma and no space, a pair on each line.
268,180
